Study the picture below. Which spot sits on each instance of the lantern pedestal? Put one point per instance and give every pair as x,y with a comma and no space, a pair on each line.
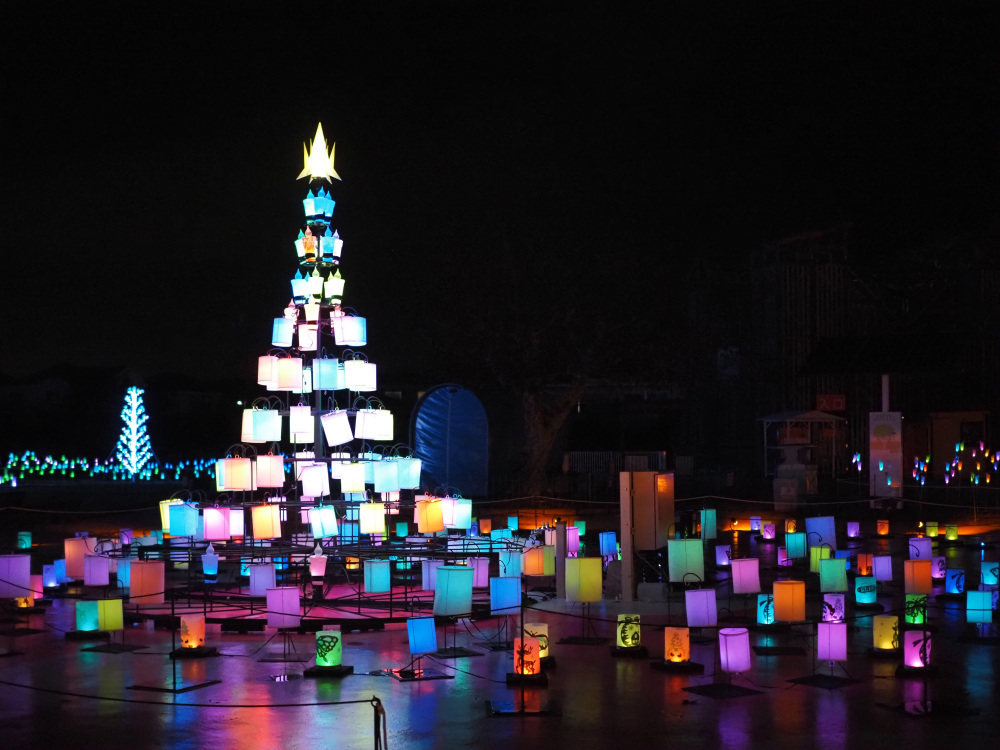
114,648
340,670
528,680
678,667
521,706
85,635
198,652
630,652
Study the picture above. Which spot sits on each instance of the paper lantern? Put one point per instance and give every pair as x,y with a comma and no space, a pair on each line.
481,571
323,521
979,606
789,601
428,574
628,634
282,332
885,632
931,529
831,641
709,527
216,525
289,374
795,545
539,630
864,564
87,616
408,471
283,610
755,524
429,516
348,330
533,561
954,582
386,476
734,649
816,555
583,579
352,477
882,527
266,521
453,590
767,531
328,375
746,575
15,576
865,590
833,607
262,578
938,568
510,563
765,609
784,561
822,531
789,525
915,612
853,529
377,575
147,582
329,648
498,535
990,571
359,375
49,577
183,520
513,523
23,540
549,560
882,567
505,595
608,542
920,548
461,513
951,532
700,607
371,518
917,576
832,574
192,631
236,518
74,549
34,589
685,560
526,658
237,474
916,649
676,645
422,635
723,553
267,370
59,566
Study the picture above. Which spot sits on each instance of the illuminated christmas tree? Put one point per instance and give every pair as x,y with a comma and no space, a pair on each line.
134,450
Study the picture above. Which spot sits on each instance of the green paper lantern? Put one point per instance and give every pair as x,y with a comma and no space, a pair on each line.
832,573
329,648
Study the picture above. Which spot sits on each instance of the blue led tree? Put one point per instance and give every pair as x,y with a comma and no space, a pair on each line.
134,449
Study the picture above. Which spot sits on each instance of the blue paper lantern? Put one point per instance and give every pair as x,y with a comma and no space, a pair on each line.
505,595
609,543
422,635
183,520
954,582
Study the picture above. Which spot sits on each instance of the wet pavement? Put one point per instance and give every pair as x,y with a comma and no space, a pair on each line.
56,694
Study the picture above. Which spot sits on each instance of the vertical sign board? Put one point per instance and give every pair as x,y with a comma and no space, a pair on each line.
885,453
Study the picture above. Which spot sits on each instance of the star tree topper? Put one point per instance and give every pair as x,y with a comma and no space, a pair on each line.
317,161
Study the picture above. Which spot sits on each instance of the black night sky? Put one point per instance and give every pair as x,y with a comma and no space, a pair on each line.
556,151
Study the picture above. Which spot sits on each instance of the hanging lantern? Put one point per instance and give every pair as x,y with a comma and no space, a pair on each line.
408,471
686,560
505,595
308,336
734,649
513,523
266,521
429,515
676,645
628,634
510,563
701,608
282,333
359,375
583,579
864,564
323,521
916,649
572,539
352,477
917,576
453,590
311,310
328,374
526,658
789,601
428,574
371,518
882,567
386,476
336,427
865,590
746,575
795,545
301,425
210,562
315,481
831,641
833,607
882,527
270,471
184,519
262,578
481,571
283,610
147,582
377,576
723,553
765,609
853,529
533,561
246,427
348,330
97,570
289,374
461,513
329,648
236,527
165,513
767,531
832,574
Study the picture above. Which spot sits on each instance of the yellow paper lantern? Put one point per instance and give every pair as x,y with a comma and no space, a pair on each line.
583,579
885,632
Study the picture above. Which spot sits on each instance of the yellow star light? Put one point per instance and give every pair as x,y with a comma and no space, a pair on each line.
317,162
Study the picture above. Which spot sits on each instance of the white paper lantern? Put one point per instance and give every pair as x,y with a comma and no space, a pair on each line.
336,427
352,477
301,425
289,373
282,333
360,375
348,330
315,481
408,470
323,521
270,471
262,578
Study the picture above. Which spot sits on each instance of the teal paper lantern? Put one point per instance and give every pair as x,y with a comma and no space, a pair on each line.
581,525
183,520
795,545
453,590
513,522
422,635
124,573
377,575
24,540
765,609
709,526
86,615
685,560
865,590
832,575
979,606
